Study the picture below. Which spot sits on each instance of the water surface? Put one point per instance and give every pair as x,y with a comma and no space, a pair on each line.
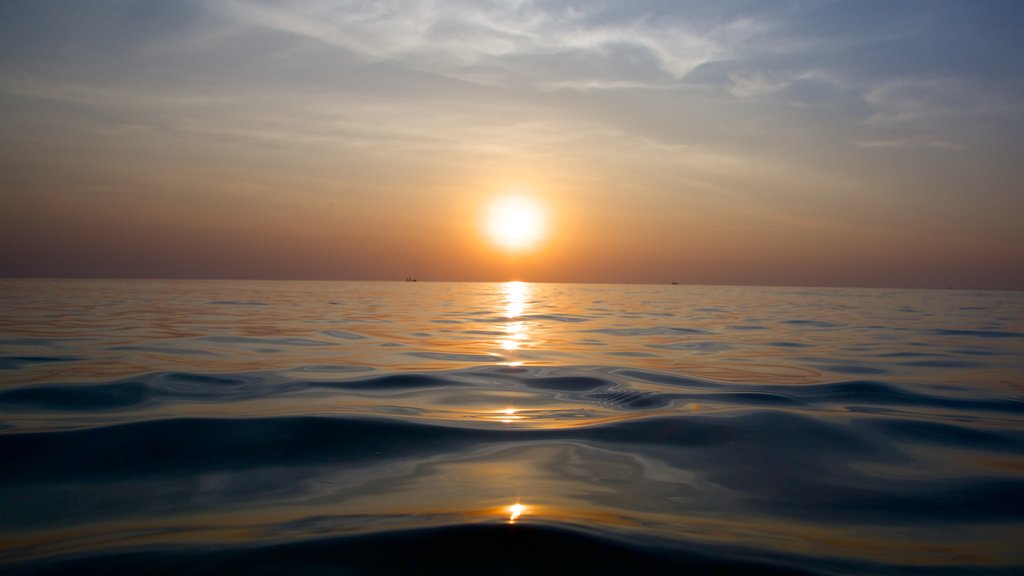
170,426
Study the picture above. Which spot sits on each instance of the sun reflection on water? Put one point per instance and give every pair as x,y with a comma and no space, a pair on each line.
509,416
516,331
515,298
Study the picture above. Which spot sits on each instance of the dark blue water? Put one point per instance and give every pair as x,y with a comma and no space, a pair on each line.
366,428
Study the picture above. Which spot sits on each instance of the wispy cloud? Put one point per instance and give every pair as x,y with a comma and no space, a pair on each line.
935,112
934,99
456,37
915,142
764,83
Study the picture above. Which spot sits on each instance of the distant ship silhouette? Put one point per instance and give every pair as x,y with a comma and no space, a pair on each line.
410,279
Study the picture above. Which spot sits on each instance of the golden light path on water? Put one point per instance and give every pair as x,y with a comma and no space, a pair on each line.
516,334
516,330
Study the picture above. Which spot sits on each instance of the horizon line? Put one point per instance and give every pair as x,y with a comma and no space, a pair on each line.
442,281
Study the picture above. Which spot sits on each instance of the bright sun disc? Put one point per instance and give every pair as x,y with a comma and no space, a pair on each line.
515,222
515,511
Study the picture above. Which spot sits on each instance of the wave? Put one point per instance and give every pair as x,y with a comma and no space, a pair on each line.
620,388
621,467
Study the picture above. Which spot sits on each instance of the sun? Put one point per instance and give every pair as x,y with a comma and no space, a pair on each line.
515,222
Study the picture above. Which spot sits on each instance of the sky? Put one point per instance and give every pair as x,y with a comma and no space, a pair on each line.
821,143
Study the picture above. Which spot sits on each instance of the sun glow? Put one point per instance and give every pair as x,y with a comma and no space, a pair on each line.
515,511
515,222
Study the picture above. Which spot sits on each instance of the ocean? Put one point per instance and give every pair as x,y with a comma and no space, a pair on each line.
213,427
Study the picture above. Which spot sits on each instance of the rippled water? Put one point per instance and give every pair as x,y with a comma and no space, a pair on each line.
262,427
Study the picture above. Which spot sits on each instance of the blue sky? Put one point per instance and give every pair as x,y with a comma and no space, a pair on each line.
833,143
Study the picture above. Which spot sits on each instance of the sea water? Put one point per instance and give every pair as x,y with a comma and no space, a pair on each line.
473,428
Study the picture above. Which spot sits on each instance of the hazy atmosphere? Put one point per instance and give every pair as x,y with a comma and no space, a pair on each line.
512,287
783,143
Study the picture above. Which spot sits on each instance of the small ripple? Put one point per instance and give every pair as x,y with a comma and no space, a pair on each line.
264,341
343,335
448,357
629,399
756,398
789,344
664,378
853,369
165,350
567,383
868,392
331,369
945,434
45,342
393,382
150,390
812,323
16,362
979,333
66,398
943,364
653,331
708,347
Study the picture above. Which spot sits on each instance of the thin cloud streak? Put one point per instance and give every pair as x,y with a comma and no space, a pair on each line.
449,37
